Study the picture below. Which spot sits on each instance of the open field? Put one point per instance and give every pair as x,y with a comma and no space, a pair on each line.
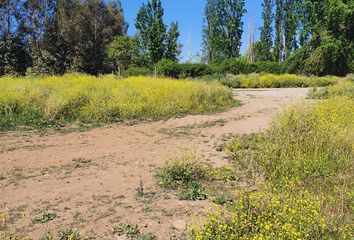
116,124
96,180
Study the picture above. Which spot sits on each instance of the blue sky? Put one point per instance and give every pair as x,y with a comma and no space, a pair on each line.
189,15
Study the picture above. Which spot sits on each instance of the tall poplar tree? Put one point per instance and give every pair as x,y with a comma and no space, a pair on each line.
173,48
223,29
290,27
279,31
266,39
152,30
156,42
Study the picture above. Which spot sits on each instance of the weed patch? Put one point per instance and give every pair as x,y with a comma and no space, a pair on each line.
192,191
45,217
69,234
54,101
131,232
223,199
185,175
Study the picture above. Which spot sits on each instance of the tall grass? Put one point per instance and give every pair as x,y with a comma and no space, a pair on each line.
276,81
302,167
85,98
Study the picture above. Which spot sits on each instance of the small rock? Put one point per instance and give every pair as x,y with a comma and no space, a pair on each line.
180,225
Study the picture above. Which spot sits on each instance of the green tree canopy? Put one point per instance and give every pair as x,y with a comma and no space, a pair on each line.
223,29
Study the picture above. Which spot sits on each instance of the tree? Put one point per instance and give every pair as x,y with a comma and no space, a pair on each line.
54,51
290,27
75,35
279,31
155,42
13,49
120,52
173,48
223,29
266,40
327,37
152,30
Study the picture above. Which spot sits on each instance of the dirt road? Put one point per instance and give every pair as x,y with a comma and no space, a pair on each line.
87,180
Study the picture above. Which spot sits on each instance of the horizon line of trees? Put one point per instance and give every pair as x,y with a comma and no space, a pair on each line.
58,36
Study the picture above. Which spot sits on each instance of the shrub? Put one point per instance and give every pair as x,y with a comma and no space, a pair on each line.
193,70
270,67
295,64
168,68
69,234
172,69
135,71
327,59
236,66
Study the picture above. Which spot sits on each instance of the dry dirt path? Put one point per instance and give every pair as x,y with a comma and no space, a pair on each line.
89,179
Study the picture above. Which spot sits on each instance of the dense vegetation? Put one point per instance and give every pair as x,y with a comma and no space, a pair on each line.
50,100
299,174
55,37
276,81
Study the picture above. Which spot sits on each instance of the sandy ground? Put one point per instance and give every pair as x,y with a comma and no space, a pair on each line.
89,179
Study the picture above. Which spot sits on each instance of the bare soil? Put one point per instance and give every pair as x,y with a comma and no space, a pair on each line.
87,180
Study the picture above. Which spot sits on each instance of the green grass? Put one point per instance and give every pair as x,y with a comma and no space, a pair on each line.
273,81
54,101
301,176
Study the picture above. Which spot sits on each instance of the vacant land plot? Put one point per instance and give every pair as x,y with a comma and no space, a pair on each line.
101,183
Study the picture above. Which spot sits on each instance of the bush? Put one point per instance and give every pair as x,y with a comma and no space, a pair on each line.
172,69
270,67
168,68
91,100
133,71
327,59
236,66
295,64
193,70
